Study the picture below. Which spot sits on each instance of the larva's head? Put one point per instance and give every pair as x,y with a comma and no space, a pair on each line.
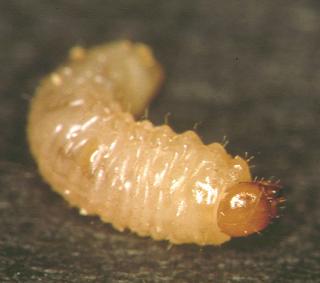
248,207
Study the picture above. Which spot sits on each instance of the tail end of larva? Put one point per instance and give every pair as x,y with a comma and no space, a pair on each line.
132,67
147,76
249,207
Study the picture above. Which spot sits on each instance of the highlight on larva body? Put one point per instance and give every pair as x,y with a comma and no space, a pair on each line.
132,174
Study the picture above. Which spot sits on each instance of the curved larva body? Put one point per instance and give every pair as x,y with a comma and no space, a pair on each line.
132,174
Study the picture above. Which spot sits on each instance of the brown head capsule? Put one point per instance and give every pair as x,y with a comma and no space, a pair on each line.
248,207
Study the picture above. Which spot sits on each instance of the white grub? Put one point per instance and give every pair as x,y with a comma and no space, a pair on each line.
130,173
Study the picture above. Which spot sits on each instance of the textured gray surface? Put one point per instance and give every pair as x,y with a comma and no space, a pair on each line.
248,70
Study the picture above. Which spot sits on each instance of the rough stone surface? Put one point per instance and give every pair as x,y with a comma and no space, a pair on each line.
247,70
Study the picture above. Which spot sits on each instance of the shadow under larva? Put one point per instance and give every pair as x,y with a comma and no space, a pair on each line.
89,147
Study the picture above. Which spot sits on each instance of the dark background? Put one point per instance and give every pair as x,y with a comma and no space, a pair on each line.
247,70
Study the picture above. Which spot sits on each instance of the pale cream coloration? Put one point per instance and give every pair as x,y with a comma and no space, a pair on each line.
131,174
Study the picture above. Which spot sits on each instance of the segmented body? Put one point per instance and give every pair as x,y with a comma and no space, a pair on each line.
132,174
